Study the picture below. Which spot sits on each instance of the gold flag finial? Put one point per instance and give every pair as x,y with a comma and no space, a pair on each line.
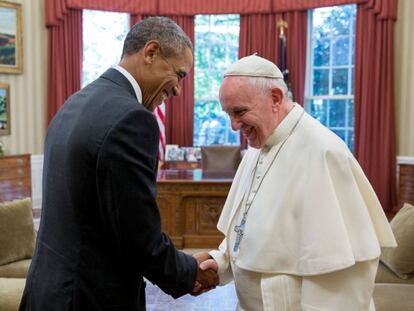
282,24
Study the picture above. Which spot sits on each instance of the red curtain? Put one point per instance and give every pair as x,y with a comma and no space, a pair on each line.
135,18
375,141
57,8
65,60
296,36
128,6
267,43
193,7
179,128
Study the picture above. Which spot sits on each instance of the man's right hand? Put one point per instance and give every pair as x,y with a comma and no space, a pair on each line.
207,277
205,281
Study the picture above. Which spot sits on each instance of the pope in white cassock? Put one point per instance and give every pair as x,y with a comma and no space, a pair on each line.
303,227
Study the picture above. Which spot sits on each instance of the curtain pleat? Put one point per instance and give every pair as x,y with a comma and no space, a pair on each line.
179,127
65,60
375,137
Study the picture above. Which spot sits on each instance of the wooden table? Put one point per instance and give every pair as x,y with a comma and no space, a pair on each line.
190,204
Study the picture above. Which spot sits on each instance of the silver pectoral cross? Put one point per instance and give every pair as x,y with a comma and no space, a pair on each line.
240,232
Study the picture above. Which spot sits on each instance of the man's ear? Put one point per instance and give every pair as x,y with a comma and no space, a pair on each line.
277,97
151,50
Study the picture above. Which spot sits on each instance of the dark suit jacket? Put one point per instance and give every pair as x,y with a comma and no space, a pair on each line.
100,225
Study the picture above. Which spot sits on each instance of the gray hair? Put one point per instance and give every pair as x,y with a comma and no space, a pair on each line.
265,84
171,37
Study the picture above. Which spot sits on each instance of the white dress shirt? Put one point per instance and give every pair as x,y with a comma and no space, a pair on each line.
133,82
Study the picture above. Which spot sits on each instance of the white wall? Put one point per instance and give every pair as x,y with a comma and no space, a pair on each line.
404,77
28,90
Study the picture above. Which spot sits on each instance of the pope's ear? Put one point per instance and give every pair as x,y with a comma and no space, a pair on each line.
151,50
277,97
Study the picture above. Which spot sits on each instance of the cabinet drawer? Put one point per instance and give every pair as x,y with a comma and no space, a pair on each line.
15,179
15,195
14,161
15,184
14,172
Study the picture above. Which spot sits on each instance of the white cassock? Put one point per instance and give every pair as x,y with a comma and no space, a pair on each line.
314,229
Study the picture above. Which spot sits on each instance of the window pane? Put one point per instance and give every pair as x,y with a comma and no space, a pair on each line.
320,82
340,20
216,47
350,114
320,26
337,113
101,30
341,51
353,50
318,109
352,81
351,139
321,52
340,133
340,81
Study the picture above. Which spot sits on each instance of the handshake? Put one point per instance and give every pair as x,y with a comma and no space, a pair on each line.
207,277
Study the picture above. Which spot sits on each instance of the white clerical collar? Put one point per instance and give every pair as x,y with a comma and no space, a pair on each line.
284,128
133,82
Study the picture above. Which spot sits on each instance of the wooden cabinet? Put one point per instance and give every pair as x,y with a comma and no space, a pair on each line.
190,207
406,184
15,179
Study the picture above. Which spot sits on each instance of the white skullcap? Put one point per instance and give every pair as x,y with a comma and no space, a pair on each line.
254,66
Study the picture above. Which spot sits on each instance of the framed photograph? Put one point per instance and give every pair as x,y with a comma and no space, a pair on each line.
11,41
174,153
4,109
192,154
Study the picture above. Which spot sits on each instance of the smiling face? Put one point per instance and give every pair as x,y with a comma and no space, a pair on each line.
162,77
252,111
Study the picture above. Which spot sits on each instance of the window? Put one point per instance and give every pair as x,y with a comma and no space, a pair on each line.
216,47
103,37
329,93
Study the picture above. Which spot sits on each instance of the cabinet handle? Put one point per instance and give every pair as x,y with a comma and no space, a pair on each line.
20,183
20,172
19,161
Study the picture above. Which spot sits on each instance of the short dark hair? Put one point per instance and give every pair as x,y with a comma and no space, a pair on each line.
171,37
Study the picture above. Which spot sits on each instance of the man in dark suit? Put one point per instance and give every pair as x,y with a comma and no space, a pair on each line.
100,230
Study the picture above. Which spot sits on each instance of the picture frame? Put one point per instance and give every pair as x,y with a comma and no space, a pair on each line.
11,37
173,153
192,154
4,109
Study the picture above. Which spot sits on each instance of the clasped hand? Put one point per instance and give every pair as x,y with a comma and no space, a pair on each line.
207,277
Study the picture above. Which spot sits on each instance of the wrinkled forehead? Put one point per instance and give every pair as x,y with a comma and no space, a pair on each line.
236,93
235,86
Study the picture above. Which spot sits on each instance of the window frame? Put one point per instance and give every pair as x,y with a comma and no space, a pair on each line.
348,126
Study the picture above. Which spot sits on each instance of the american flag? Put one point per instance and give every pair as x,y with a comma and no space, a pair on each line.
160,116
